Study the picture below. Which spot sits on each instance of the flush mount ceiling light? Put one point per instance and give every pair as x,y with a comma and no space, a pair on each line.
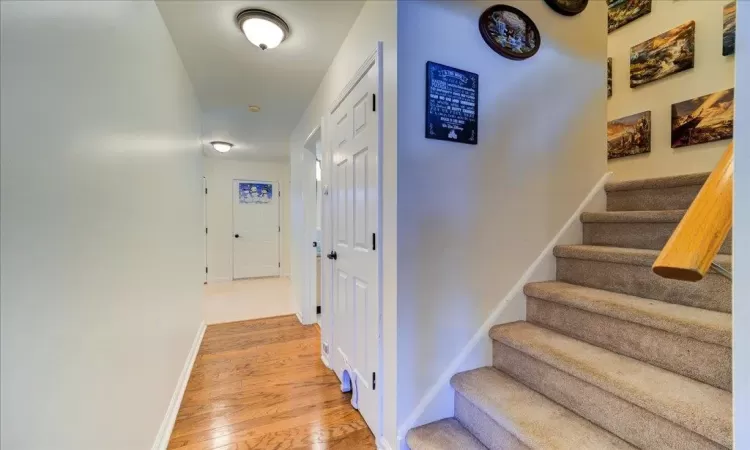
262,28
254,108
221,147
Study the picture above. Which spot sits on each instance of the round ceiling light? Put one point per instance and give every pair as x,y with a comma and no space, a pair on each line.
221,147
254,108
262,28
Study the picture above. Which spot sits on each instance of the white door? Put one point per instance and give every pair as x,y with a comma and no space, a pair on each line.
256,229
354,200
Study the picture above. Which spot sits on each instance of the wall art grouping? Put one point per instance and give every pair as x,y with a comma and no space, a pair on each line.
629,135
622,12
703,119
730,12
663,55
255,192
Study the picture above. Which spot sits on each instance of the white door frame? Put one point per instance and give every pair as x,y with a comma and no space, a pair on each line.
328,339
308,252
277,184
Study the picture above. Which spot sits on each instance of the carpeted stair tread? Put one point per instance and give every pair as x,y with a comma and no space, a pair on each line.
696,406
446,434
533,419
635,229
666,216
621,255
658,183
707,326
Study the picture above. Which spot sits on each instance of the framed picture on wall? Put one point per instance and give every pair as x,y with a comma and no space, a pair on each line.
629,135
663,55
622,12
703,119
730,14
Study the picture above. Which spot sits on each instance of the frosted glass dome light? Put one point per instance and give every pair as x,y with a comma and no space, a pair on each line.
221,147
262,28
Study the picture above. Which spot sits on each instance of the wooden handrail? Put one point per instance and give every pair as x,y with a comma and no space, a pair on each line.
696,240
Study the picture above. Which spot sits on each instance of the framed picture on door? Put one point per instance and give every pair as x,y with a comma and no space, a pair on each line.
255,192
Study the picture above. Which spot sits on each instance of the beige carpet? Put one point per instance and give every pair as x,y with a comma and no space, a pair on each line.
610,356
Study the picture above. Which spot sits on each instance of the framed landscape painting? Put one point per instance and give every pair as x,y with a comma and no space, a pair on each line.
609,77
703,119
629,135
621,12
663,55
730,12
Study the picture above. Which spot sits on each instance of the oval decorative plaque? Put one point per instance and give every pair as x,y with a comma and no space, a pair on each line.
509,32
568,7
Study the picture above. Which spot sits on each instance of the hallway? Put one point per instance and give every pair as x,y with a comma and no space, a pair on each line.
260,384
233,301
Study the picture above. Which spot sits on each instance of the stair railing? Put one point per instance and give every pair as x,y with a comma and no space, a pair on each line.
690,252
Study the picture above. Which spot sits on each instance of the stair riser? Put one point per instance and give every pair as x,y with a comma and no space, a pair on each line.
709,363
652,236
489,432
713,292
632,423
680,197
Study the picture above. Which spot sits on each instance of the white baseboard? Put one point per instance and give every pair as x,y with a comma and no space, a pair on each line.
165,430
383,444
219,280
324,358
541,265
299,317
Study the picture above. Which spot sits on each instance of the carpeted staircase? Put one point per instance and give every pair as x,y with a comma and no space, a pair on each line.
611,356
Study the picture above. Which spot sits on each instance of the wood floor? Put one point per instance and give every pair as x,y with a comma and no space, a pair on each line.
260,384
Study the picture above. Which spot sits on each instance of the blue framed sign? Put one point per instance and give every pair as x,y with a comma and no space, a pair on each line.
452,104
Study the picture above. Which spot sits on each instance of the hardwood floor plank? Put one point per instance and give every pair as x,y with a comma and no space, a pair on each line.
260,384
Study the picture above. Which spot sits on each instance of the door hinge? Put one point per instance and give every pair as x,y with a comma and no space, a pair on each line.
279,265
373,380
373,102
206,269
373,241
206,230
207,191
279,229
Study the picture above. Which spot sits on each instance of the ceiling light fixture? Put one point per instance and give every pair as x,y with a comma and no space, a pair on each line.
262,28
254,108
221,147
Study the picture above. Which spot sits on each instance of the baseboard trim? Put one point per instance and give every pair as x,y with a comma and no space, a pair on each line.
324,358
218,280
165,430
299,317
383,444
482,332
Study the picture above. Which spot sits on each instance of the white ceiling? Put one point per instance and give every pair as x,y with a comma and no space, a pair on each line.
229,73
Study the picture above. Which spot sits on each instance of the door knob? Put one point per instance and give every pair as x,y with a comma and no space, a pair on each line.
332,255
236,235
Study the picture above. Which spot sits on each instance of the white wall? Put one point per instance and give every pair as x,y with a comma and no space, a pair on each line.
101,225
471,219
713,72
741,251
376,22
220,174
